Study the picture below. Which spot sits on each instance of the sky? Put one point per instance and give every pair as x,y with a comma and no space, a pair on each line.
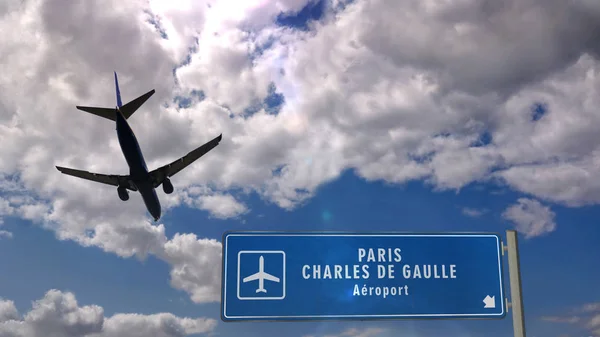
428,115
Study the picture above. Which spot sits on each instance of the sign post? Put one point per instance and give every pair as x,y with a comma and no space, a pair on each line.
286,276
514,270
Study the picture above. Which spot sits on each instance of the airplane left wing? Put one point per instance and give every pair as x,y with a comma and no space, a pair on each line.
159,175
251,278
114,180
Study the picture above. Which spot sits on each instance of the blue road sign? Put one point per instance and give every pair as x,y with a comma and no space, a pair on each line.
314,276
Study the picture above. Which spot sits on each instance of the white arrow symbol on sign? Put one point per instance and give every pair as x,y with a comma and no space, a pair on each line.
490,302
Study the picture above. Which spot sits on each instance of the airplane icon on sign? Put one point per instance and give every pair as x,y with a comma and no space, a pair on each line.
261,276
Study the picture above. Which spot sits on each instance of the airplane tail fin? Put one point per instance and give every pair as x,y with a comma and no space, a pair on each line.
261,290
119,103
127,110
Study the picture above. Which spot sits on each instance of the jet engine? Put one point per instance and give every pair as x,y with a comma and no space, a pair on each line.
167,186
123,194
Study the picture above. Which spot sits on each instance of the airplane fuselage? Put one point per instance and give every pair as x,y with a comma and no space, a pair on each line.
261,271
138,170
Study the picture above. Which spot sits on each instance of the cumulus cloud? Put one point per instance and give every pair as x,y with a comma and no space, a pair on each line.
6,234
531,217
355,332
222,206
219,205
195,262
590,307
449,93
586,316
559,319
8,311
196,266
473,212
58,314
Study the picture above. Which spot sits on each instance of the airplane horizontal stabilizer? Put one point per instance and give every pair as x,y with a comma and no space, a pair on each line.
108,113
127,110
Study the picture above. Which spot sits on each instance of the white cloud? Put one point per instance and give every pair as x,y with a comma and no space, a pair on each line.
58,314
159,325
590,307
411,105
586,316
531,217
473,212
560,319
355,332
195,263
196,266
221,206
594,324
8,311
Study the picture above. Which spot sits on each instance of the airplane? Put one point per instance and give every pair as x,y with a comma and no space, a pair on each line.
139,178
261,276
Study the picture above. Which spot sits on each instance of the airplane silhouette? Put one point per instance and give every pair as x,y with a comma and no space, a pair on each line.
139,179
261,276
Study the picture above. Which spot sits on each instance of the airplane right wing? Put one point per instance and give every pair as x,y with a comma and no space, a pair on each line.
270,277
114,180
169,170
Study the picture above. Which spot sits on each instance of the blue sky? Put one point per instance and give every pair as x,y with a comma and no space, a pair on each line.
352,103
559,270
